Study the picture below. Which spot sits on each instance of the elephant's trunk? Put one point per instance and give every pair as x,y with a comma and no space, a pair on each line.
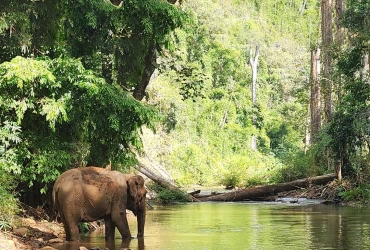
141,214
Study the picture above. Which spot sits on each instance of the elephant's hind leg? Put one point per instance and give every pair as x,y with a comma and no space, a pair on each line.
71,228
74,232
66,227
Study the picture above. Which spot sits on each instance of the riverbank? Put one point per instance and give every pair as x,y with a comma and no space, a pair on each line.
30,234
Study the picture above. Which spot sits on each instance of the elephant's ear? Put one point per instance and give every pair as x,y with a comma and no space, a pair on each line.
135,184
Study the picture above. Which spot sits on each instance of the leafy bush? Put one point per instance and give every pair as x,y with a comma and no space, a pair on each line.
360,193
57,114
8,203
83,227
9,134
255,181
230,180
5,224
167,196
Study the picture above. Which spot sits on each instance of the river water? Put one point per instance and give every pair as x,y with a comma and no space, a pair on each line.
244,226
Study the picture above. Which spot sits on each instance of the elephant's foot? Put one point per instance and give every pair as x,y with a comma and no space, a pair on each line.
109,238
126,236
73,234
73,238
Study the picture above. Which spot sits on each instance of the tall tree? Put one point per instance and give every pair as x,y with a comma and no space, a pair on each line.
339,41
315,103
347,133
326,46
253,62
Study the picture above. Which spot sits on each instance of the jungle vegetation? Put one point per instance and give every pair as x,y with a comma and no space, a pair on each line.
90,82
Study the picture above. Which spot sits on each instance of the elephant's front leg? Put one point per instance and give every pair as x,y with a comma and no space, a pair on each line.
120,220
141,214
109,229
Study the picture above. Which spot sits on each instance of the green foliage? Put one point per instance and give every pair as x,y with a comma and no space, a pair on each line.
8,202
83,227
299,165
121,36
360,193
167,196
9,134
57,114
5,224
9,205
230,180
113,41
210,139
347,133
192,81
70,112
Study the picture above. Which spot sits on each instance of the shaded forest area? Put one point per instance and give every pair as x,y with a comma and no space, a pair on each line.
237,93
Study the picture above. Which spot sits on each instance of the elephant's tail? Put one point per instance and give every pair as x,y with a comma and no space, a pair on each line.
56,212
54,197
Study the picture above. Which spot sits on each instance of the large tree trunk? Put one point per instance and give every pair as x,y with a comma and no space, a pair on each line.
339,40
256,193
315,107
149,67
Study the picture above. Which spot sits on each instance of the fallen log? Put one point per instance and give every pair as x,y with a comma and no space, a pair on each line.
161,181
256,193
199,196
193,193
155,177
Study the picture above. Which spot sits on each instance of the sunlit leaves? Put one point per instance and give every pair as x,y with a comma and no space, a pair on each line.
211,60
10,137
23,82
21,71
55,109
9,134
58,114
3,24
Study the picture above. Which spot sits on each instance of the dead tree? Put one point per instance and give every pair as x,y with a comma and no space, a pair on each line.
253,62
256,193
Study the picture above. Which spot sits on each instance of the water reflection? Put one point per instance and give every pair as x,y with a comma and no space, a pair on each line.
245,226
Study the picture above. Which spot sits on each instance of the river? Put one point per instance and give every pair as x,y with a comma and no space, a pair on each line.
254,226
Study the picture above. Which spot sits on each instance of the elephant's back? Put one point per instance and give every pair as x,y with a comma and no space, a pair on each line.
84,181
66,180
81,175
68,176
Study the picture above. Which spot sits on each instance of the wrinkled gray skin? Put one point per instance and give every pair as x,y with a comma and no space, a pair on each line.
91,193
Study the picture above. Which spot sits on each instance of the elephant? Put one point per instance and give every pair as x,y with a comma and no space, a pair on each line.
92,193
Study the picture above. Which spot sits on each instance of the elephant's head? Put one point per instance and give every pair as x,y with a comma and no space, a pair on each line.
137,201
137,191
